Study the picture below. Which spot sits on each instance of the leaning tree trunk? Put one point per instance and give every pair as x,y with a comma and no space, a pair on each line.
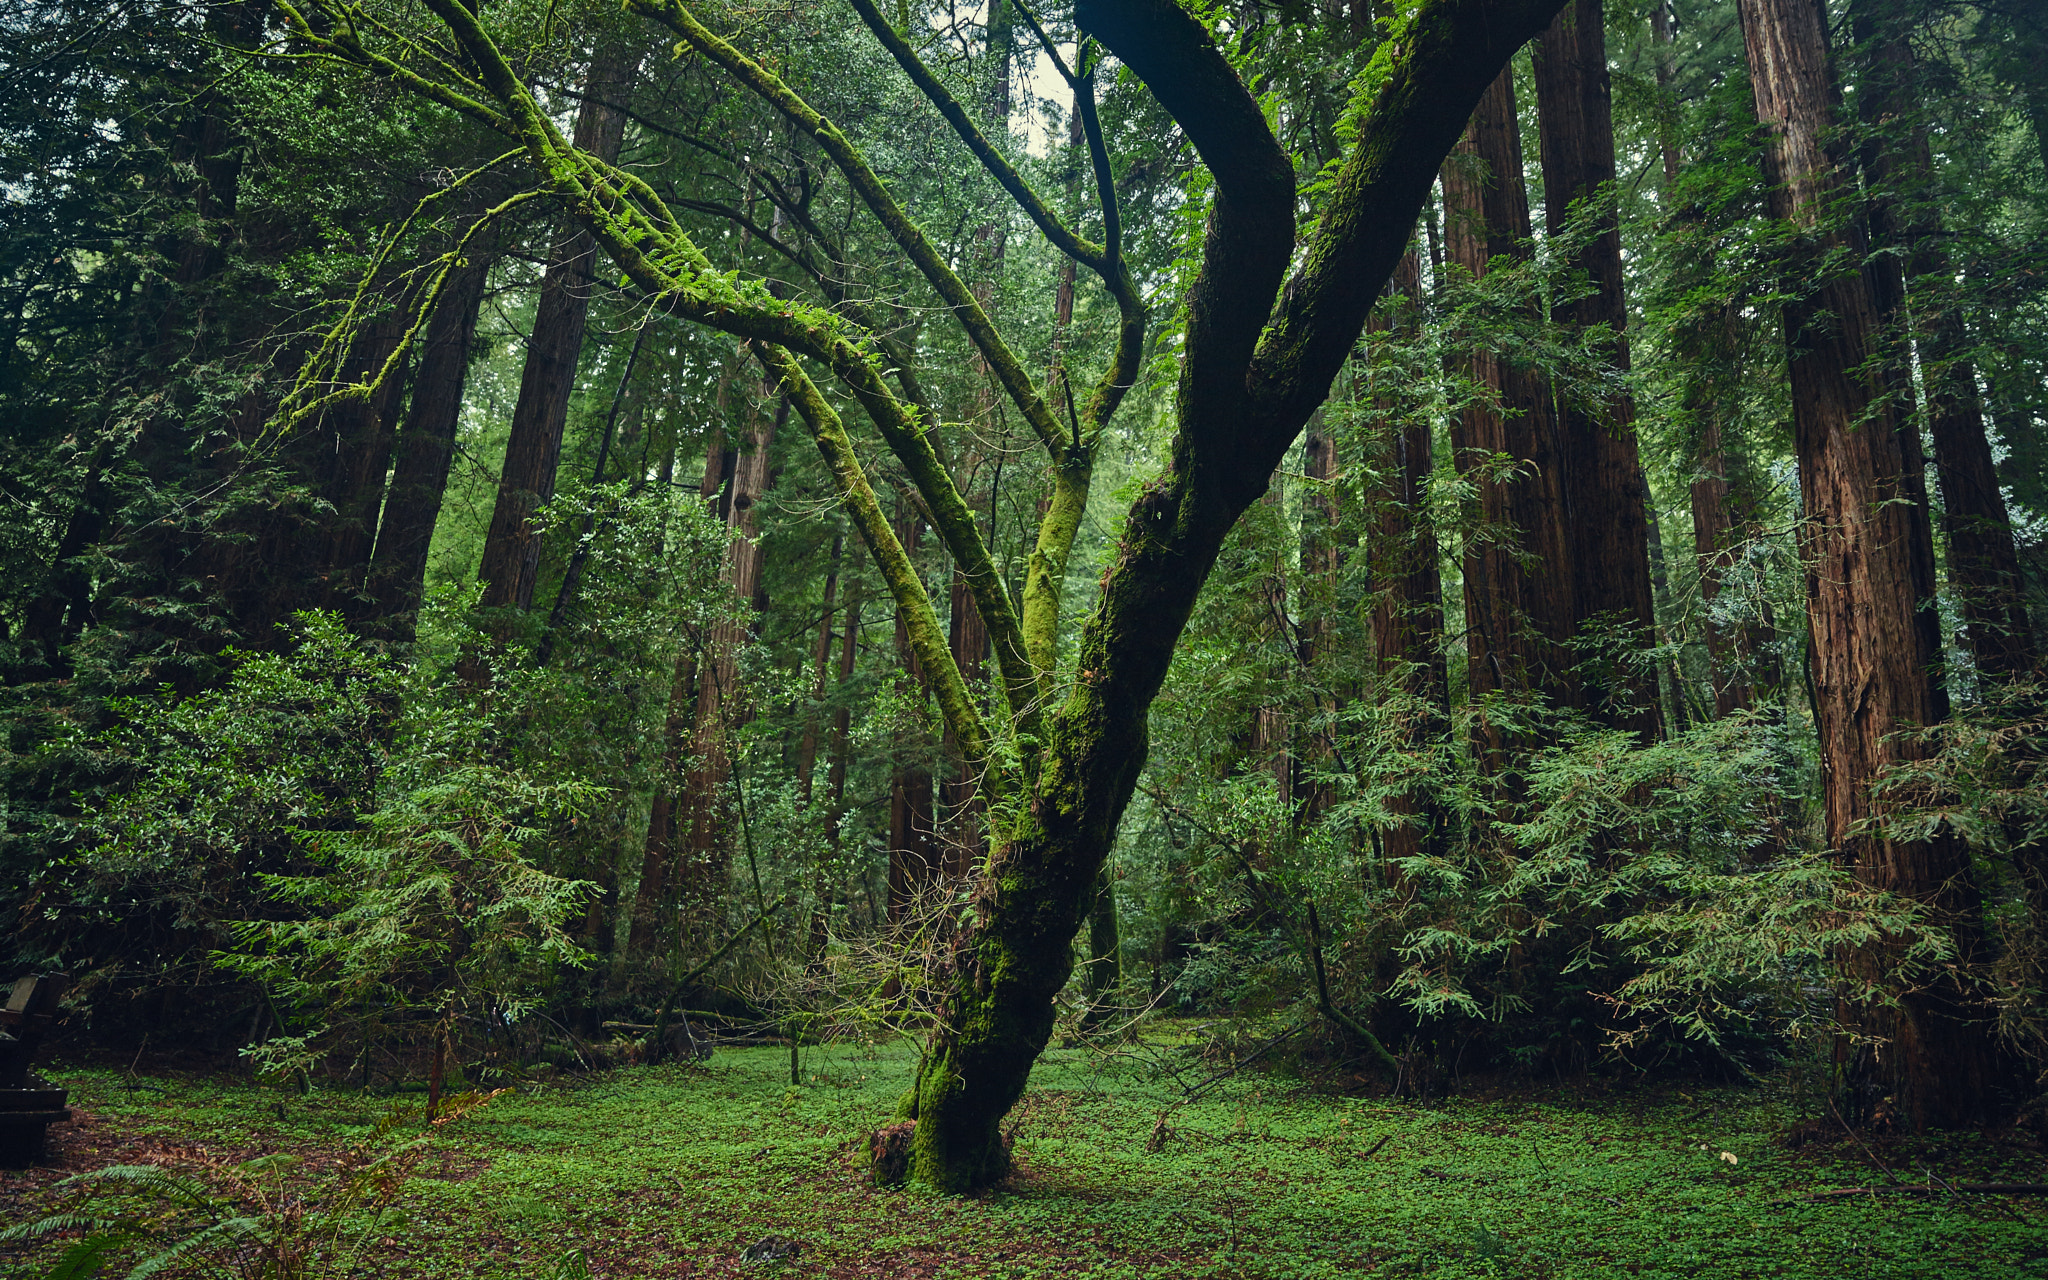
533,450
1603,477
1252,374
1937,1063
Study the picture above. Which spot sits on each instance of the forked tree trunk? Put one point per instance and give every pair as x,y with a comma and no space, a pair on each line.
511,555
1607,529
1251,377
1938,1063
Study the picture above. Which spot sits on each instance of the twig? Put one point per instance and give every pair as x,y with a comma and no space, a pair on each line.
1881,1165
1374,1149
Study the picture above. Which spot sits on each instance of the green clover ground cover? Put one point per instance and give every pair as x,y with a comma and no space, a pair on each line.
677,1171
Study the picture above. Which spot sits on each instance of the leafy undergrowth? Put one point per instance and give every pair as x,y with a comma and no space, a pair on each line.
679,1171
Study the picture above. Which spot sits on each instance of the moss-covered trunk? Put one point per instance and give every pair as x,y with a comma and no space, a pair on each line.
1252,373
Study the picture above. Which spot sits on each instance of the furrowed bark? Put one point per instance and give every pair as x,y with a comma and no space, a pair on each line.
1938,1064
1603,477
1518,617
1983,561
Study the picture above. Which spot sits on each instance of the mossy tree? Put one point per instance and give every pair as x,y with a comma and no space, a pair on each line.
1259,345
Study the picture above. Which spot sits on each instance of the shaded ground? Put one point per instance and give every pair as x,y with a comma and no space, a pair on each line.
676,1172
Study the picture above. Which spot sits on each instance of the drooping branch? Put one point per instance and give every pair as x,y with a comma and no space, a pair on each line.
874,193
927,638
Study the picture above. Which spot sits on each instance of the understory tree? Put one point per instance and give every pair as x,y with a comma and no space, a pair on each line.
1266,321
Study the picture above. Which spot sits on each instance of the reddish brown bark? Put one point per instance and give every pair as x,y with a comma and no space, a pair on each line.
1983,562
1518,585
1938,1063
961,795
1603,477
511,555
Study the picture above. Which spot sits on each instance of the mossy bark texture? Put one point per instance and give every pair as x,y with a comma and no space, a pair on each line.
1257,359
1254,370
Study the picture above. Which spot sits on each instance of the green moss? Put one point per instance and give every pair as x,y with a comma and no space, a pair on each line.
674,1171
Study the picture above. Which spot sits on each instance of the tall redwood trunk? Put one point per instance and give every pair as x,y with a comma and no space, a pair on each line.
1518,618
1603,477
425,450
1938,1063
511,555
1983,562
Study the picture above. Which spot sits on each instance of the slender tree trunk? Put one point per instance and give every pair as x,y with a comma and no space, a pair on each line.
821,664
1105,972
1518,618
511,555
1983,561
363,462
1408,611
660,849
916,857
746,477
1715,538
1603,477
426,450
842,722
963,820
1938,1063
966,832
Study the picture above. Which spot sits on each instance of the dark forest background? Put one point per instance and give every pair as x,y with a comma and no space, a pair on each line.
412,635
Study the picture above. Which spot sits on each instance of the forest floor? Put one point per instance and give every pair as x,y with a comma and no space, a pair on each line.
684,1171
